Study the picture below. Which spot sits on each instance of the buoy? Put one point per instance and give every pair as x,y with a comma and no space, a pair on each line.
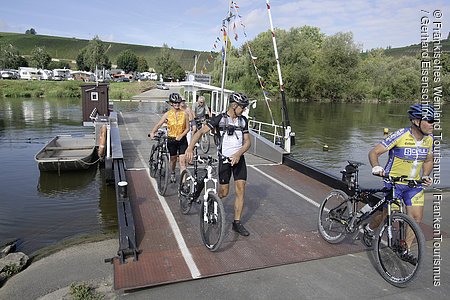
102,142
386,130
325,147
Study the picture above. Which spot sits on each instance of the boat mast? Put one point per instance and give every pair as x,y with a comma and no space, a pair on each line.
284,113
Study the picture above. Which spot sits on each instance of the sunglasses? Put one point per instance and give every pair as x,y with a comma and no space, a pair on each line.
430,121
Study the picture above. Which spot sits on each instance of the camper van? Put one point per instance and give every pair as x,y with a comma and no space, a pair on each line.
61,74
29,73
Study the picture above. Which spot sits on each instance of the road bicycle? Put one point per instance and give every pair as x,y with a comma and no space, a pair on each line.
159,161
212,212
399,244
204,141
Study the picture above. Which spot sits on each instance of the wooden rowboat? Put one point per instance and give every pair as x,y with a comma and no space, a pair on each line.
67,153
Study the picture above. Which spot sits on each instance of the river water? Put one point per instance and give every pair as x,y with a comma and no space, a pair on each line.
42,209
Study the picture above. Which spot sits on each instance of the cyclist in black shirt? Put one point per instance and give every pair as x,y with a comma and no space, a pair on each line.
234,137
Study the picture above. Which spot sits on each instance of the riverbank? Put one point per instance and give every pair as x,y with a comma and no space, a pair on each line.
68,89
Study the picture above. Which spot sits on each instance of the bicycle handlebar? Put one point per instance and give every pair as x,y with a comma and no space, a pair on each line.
392,179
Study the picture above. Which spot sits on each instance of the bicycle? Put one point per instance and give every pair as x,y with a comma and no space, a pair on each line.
159,161
204,142
398,239
212,212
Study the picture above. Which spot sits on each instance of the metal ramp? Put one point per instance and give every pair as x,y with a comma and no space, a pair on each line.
282,226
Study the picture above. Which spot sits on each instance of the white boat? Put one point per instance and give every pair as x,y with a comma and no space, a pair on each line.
67,153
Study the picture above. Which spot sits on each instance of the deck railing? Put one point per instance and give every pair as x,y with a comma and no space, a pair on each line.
273,132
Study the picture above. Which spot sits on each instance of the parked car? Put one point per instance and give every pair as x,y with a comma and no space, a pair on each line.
162,86
123,79
9,74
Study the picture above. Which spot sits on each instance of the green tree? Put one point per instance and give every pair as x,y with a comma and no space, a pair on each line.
81,60
374,75
127,61
10,57
31,31
142,64
93,56
167,66
40,57
335,70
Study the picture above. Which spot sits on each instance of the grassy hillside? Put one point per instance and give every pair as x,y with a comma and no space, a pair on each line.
414,50
68,49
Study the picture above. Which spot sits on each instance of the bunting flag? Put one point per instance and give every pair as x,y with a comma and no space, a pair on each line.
254,58
226,42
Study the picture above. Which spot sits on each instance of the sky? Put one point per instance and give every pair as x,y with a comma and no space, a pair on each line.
196,24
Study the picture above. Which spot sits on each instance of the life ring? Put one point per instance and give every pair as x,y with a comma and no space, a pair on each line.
102,142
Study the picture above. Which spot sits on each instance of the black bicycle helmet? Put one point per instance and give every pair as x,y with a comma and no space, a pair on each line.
175,98
239,98
422,112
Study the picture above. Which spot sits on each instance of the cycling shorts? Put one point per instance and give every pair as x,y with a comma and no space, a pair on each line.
239,171
411,196
177,147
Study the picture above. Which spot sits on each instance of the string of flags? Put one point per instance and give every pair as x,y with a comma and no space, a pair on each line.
253,59
226,42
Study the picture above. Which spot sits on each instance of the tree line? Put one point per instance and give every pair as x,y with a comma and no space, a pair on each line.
319,67
314,67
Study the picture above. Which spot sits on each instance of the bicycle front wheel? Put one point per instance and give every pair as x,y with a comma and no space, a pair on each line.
185,195
163,175
205,143
212,222
399,261
153,161
334,214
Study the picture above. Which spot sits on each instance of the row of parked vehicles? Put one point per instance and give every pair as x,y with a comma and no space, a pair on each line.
28,73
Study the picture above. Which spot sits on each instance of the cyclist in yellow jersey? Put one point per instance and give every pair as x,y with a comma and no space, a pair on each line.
178,126
410,153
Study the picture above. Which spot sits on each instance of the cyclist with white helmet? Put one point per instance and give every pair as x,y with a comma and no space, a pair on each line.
178,126
232,128
410,153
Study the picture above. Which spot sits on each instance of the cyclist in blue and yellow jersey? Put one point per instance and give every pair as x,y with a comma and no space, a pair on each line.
410,153
178,126
232,130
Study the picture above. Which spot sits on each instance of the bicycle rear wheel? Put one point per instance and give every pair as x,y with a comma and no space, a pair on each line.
205,143
163,175
153,161
400,263
334,214
212,222
185,197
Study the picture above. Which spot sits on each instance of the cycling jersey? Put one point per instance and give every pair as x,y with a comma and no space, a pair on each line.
176,122
231,132
406,155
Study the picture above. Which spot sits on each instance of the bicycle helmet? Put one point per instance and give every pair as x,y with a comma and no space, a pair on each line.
239,98
175,98
422,112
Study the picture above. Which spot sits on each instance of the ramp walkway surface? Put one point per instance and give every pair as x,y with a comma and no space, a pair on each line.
280,212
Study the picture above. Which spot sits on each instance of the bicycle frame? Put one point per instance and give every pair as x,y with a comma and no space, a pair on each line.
389,198
209,178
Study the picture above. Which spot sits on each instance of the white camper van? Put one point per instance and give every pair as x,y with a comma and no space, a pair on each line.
29,73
